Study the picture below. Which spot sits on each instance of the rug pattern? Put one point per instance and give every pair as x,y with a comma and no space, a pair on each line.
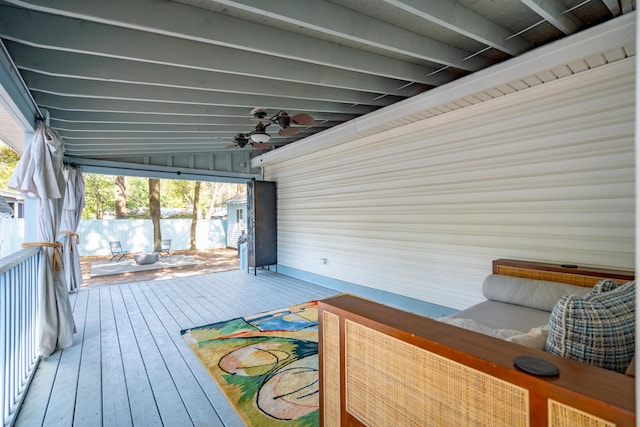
266,364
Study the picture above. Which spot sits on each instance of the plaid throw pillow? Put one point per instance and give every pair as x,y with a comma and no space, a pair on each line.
598,329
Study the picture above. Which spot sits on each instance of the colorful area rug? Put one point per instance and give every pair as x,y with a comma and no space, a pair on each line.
266,364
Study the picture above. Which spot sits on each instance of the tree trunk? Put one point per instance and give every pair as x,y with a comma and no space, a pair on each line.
121,198
154,211
212,202
194,216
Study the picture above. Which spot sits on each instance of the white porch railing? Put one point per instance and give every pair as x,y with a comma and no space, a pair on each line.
18,306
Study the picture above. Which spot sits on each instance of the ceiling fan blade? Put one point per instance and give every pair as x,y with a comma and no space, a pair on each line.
303,120
232,146
288,131
260,145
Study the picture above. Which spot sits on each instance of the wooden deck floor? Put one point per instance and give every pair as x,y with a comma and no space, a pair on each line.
129,365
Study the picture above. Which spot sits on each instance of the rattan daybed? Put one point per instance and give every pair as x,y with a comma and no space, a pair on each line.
382,366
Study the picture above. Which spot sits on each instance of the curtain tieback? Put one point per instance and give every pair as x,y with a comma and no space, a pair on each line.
72,235
55,263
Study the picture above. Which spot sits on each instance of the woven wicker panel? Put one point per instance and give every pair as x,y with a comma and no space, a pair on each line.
553,276
390,382
561,415
331,368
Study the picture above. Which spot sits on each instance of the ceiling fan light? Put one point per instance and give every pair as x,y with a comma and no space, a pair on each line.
260,137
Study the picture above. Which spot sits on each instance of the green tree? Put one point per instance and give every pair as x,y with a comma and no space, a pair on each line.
137,195
8,161
98,196
179,194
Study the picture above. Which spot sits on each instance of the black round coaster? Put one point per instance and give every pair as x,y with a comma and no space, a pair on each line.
535,366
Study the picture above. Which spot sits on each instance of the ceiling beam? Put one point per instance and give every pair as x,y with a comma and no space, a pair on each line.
199,136
178,148
158,171
72,35
455,17
133,107
114,90
554,12
150,127
68,64
627,6
338,21
117,145
150,141
214,29
324,120
613,6
158,128
14,96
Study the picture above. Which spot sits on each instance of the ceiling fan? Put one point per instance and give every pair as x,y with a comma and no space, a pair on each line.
284,121
241,140
259,137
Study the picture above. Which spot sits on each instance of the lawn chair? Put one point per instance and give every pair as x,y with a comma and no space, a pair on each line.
165,248
117,253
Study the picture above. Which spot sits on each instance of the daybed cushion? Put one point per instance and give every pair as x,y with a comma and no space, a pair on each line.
598,329
538,294
499,315
472,325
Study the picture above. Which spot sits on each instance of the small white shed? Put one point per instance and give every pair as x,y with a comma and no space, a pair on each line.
236,218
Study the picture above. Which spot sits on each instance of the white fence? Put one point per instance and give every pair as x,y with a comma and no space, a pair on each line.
135,235
11,235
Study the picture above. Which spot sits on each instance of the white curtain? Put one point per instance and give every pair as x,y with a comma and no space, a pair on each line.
39,174
71,214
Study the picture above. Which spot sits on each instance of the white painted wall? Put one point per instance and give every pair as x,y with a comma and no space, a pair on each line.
543,174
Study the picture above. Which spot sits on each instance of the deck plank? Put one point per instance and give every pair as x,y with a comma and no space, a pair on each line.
170,403
62,400
39,394
34,407
176,297
142,400
130,366
88,405
199,373
179,359
115,401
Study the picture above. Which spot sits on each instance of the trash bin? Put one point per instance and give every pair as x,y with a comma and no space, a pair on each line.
243,256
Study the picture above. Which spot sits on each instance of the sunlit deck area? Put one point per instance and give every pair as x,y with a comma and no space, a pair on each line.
129,365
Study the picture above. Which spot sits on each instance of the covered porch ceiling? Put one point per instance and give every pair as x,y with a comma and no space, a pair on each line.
157,87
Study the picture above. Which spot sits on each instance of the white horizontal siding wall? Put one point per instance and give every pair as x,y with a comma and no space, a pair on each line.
543,174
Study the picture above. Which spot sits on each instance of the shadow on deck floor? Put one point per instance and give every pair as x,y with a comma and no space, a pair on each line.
215,260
